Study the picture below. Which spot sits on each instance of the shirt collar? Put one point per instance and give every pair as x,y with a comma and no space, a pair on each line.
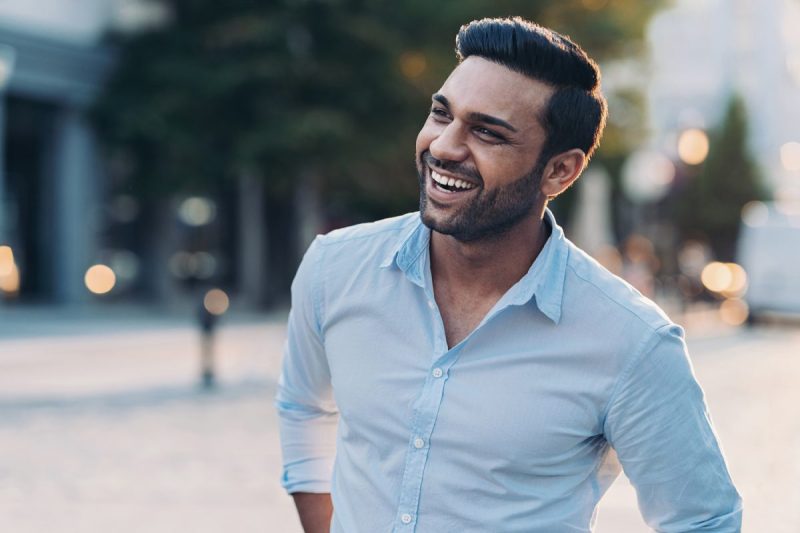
408,252
543,283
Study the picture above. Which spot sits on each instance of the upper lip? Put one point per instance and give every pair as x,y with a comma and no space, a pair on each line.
454,176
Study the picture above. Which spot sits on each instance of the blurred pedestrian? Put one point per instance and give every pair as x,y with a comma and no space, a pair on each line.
467,368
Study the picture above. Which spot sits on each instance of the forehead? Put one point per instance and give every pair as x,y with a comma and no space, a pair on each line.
478,85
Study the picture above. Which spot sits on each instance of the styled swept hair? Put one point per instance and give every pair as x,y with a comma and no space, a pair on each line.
576,112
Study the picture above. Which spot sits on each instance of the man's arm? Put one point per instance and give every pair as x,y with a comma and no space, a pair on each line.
315,511
307,413
658,424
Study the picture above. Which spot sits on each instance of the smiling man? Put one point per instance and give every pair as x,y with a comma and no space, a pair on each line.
467,368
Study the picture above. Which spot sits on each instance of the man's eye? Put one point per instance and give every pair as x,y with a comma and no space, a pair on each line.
488,134
438,112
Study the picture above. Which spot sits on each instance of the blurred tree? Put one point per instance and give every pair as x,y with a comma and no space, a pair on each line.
709,206
333,91
314,97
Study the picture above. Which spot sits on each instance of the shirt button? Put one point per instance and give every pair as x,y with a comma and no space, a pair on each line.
437,372
430,304
406,518
418,443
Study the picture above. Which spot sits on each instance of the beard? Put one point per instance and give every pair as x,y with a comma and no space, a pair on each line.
488,214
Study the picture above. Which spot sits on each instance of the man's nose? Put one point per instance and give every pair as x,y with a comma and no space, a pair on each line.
449,145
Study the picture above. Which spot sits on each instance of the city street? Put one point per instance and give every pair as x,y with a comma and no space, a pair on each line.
103,425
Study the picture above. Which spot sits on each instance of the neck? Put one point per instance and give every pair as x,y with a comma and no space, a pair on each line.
488,266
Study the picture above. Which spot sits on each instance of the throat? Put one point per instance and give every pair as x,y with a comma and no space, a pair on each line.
462,312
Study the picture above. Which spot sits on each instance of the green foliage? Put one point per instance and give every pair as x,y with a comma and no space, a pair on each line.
709,207
331,89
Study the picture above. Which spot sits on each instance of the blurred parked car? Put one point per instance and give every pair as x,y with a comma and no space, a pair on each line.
769,251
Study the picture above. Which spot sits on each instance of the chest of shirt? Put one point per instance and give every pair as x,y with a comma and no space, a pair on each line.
515,387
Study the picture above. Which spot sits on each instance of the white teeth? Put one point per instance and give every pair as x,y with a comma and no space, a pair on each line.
450,182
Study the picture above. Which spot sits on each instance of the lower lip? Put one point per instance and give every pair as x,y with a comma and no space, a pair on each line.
441,196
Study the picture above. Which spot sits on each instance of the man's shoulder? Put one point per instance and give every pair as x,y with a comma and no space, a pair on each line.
361,245
589,285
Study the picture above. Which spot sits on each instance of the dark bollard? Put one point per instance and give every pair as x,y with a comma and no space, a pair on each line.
215,303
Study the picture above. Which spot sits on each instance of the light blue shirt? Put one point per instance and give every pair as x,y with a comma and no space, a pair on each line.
521,427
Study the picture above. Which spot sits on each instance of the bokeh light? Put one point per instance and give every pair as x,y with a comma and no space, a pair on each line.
692,257
216,302
413,64
728,279
6,261
100,279
716,276
755,214
200,265
125,264
9,283
734,311
738,283
790,156
197,211
205,265
647,176
693,146
9,273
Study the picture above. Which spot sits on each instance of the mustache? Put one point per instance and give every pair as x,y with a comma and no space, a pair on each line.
452,167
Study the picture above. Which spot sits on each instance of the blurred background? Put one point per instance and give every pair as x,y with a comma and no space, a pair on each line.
164,165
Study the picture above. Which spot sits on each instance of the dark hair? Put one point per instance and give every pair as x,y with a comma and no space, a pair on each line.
576,113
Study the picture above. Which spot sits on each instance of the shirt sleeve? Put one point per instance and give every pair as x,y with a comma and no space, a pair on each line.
306,410
658,423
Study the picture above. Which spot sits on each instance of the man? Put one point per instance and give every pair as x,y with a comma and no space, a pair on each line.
468,369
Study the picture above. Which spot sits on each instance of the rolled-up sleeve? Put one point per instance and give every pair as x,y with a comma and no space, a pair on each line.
658,423
306,409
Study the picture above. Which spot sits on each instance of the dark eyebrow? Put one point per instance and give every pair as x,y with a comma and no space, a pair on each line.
477,117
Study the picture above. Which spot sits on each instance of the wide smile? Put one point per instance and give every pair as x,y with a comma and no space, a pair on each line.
447,188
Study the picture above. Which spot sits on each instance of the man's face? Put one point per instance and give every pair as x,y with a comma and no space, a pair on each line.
478,152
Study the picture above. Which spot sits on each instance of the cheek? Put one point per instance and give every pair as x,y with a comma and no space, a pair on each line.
500,167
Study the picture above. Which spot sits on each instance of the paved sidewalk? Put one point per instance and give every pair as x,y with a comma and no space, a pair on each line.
104,427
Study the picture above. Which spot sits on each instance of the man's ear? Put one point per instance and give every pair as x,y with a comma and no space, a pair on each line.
561,171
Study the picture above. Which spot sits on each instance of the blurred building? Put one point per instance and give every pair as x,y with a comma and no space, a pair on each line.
50,69
59,211
702,51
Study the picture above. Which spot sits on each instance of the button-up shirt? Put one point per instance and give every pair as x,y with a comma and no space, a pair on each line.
520,427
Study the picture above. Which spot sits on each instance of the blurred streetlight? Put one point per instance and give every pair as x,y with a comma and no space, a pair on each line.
100,279
6,260
197,211
9,273
693,146
215,304
755,214
413,64
728,279
734,311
